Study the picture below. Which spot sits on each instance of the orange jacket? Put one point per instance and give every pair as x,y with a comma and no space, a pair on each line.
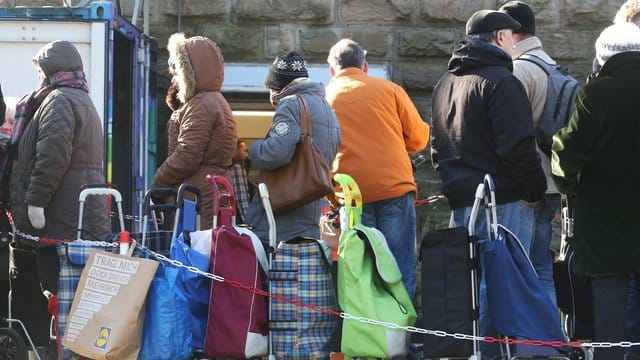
380,126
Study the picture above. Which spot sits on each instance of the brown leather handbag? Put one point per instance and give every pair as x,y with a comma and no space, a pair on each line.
305,179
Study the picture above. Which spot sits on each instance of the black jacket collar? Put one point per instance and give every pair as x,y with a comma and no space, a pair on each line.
472,53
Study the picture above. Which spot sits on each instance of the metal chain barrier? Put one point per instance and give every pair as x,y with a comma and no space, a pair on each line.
346,316
55,242
413,329
114,215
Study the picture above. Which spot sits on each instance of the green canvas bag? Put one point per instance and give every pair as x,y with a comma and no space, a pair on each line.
370,286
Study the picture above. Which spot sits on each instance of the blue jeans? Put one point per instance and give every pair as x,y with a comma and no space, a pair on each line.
396,219
515,216
610,295
633,319
540,253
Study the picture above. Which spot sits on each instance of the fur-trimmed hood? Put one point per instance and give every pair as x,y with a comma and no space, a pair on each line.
199,65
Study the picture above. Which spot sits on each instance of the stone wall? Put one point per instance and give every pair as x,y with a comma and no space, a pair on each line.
414,38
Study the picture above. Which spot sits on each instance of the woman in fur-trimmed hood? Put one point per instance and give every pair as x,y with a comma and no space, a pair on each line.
201,133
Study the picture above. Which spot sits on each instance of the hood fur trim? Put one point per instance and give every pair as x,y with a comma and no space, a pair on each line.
184,73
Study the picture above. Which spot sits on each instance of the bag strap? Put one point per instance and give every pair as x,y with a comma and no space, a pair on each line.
543,65
305,117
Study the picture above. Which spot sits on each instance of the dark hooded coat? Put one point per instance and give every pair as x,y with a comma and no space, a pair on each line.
481,124
60,150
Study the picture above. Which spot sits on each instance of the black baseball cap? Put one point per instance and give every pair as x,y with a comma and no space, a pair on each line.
485,21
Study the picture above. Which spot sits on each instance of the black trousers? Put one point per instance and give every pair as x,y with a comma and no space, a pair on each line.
30,272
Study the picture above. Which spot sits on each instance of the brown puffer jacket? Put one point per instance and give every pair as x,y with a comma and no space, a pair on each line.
201,134
60,150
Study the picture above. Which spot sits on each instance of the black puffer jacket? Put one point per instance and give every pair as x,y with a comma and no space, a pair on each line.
481,124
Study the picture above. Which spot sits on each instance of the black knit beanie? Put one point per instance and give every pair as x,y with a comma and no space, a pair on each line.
523,14
285,68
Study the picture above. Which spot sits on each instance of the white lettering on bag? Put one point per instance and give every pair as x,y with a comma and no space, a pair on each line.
114,263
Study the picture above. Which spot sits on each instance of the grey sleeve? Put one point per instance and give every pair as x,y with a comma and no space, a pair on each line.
279,146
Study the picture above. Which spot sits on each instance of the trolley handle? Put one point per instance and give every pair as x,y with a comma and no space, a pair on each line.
490,205
224,183
84,194
94,190
352,199
191,189
266,203
225,213
164,192
179,223
485,192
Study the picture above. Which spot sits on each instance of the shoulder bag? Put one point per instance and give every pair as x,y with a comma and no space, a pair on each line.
306,178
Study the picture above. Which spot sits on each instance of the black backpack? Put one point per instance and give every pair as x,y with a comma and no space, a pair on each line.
560,103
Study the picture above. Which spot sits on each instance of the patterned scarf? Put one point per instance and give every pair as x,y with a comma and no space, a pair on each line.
25,109
27,106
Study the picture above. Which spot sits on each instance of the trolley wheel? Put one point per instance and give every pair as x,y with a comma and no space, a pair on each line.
12,346
200,355
577,354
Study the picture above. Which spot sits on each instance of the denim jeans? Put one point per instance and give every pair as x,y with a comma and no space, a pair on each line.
633,319
396,219
540,253
610,296
515,216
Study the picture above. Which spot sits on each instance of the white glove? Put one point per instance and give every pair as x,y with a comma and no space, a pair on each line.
36,216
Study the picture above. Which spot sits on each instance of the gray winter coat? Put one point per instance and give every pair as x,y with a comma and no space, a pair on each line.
278,149
60,150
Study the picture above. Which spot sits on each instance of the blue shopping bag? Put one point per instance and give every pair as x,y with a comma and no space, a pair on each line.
167,333
196,288
519,306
